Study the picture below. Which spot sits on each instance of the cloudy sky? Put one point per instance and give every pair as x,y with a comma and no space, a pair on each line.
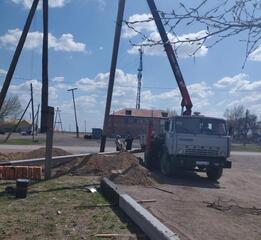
80,46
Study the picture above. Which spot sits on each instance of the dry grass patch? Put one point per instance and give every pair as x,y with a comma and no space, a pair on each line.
56,209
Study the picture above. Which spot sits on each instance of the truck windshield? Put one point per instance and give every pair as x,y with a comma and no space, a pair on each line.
188,125
203,126
213,127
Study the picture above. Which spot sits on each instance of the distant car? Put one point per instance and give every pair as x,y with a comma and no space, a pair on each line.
87,136
24,133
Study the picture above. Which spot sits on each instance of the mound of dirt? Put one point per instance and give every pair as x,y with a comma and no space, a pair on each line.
38,153
104,165
134,175
122,168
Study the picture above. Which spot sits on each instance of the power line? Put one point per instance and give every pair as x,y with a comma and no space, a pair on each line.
144,87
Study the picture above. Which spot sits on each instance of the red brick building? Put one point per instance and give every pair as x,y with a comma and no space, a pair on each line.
134,122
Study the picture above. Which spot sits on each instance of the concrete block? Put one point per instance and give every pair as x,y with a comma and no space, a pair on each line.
150,225
110,191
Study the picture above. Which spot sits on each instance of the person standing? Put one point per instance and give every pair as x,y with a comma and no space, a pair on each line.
128,142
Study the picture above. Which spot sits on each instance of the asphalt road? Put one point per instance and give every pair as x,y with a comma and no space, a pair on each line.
88,148
65,141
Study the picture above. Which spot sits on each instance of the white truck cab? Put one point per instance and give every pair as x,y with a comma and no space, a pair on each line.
191,143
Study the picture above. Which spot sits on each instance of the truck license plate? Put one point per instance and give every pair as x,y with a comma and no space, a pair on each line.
202,163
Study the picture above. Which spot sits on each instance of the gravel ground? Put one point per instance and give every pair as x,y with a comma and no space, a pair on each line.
198,209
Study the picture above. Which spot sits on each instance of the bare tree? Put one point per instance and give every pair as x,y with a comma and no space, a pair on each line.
240,122
233,117
11,108
220,19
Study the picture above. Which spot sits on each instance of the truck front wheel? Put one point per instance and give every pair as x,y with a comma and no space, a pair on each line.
214,173
148,161
165,164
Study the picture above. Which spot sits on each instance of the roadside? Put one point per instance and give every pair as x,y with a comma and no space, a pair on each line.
189,204
246,148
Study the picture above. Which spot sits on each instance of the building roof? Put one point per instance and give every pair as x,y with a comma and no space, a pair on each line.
11,123
141,113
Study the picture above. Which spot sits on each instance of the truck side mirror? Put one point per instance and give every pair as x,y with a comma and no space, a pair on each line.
166,125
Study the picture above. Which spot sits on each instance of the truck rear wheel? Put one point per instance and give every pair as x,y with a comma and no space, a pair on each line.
165,164
214,173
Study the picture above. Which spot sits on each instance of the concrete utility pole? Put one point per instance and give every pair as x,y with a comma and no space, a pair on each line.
36,119
49,143
117,36
17,53
139,76
76,122
32,103
44,105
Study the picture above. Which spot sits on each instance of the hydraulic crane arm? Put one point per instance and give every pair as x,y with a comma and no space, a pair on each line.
186,101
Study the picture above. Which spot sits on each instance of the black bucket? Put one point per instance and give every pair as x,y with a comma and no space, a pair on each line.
21,188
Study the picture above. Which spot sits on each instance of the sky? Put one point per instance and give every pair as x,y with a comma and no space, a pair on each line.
80,47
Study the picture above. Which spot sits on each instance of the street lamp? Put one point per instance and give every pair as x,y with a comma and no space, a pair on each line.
76,123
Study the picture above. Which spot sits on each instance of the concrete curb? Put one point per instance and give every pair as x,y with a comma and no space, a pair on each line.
56,160
110,191
149,224
39,161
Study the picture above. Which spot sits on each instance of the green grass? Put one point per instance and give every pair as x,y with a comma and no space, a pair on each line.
56,209
19,141
246,148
